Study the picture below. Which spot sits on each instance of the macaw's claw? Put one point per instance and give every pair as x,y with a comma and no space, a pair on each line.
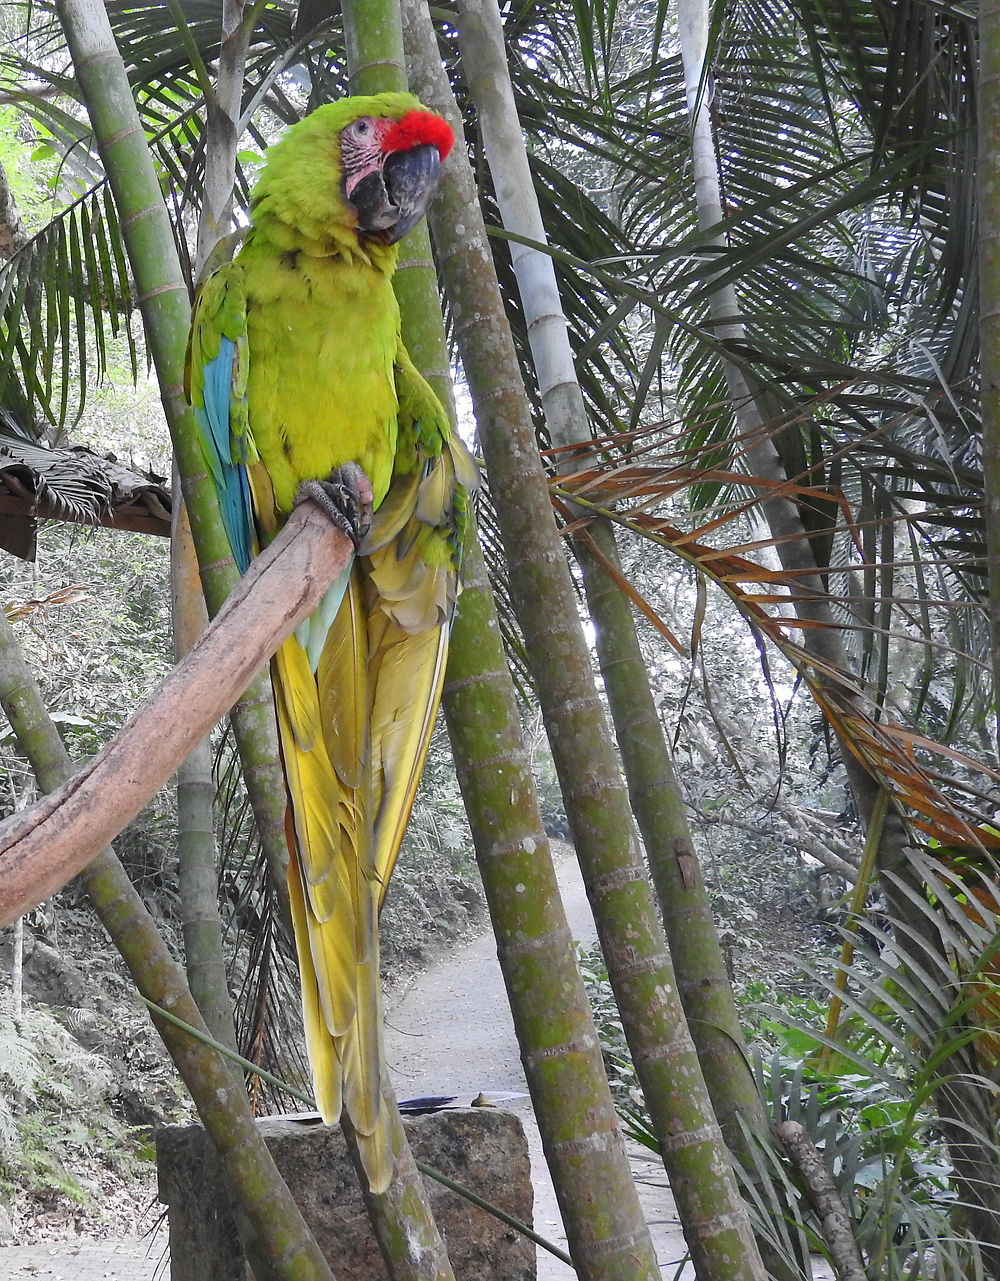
346,497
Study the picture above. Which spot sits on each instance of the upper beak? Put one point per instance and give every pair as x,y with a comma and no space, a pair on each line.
389,203
410,179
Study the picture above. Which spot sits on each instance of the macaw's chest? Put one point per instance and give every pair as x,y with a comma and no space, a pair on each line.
321,391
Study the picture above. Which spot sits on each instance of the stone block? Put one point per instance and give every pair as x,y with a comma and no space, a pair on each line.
484,1149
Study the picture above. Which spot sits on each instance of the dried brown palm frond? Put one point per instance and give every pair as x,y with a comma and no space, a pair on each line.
945,803
73,484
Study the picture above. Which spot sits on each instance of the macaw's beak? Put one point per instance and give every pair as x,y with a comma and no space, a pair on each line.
391,202
410,178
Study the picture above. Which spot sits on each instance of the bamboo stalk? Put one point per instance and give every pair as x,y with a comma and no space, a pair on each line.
711,1211
654,792
162,293
606,1231
607,1234
197,879
401,1216
835,1221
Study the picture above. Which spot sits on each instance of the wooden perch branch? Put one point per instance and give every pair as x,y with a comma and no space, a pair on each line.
43,847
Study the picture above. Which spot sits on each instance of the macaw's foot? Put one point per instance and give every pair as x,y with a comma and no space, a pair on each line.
346,497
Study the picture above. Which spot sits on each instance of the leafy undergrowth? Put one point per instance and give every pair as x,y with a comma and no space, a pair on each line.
81,1086
866,1103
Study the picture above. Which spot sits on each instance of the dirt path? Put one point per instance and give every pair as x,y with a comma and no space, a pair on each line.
130,1260
448,1032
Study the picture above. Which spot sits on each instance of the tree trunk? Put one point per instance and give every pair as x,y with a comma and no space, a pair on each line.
607,1234
711,1212
401,1216
198,878
654,792
164,304
605,1228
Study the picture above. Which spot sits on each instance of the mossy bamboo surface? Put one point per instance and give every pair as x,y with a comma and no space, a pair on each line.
161,290
162,294
654,792
658,803
607,1234
711,1212
401,1217
605,1228
198,880
253,717
281,1245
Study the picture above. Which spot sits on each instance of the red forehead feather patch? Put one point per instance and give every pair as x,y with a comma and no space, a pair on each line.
418,128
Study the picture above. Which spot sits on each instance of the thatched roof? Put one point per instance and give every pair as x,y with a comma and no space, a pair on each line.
73,484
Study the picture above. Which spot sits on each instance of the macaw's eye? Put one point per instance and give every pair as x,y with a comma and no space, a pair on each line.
361,128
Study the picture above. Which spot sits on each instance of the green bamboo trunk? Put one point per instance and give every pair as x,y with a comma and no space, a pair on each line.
162,294
280,1244
197,878
196,850
654,793
401,1217
607,1234
608,1237
709,1205
658,804
163,300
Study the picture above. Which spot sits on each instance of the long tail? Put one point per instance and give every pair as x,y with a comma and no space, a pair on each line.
354,725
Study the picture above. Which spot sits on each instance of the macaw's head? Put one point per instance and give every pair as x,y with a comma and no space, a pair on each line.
365,167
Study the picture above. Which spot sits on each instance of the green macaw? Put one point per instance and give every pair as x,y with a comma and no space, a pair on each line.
301,387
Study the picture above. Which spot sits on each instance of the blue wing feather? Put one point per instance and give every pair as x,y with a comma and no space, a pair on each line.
228,473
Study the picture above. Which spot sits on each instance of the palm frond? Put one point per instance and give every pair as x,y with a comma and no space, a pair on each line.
945,791
63,297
